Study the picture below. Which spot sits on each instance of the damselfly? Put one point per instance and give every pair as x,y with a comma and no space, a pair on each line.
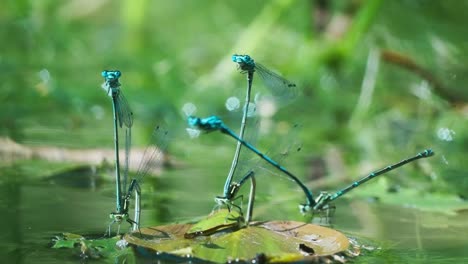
123,116
282,90
322,201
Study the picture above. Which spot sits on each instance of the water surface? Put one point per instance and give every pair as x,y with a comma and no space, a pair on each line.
33,213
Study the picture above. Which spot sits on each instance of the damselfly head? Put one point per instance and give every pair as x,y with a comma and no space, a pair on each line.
427,153
193,121
233,189
304,208
242,59
189,110
111,74
111,80
207,124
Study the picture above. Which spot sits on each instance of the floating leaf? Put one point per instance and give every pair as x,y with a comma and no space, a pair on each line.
280,241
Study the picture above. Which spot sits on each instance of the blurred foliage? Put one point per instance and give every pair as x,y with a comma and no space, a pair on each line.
372,109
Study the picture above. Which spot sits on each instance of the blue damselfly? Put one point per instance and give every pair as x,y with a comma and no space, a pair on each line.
322,201
282,89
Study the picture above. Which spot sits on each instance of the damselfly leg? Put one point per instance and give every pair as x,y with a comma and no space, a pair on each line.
232,196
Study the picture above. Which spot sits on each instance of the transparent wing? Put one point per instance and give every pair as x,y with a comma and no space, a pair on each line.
283,90
287,146
126,165
153,156
124,112
125,117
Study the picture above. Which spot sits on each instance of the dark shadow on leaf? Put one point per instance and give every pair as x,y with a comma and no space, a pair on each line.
212,245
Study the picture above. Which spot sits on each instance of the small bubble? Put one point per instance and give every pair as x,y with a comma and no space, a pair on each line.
98,112
44,87
189,109
44,75
193,133
232,103
445,134
162,67
267,108
444,160
422,90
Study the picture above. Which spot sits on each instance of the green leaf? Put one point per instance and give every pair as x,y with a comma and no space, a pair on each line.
67,240
277,240
217,221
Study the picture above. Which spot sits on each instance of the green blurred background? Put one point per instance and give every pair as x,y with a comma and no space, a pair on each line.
354,60
381,81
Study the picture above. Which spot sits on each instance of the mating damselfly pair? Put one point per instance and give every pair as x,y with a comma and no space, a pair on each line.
286,91
281,89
